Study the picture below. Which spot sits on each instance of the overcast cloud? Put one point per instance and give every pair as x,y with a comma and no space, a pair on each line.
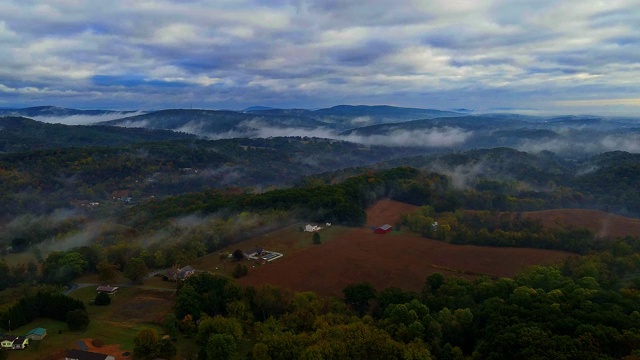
557,56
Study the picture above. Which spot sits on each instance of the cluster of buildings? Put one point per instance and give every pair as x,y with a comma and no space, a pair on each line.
262,255
14,342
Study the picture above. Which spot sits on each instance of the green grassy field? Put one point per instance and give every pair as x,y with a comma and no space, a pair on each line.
60,337
131,309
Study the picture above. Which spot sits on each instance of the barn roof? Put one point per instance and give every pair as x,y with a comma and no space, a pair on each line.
385,227
85,355
107,288
37,331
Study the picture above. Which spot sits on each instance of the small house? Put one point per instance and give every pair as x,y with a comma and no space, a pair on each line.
37,333
75,354
111,290
253,253
21,342
6,341
383,229
183,273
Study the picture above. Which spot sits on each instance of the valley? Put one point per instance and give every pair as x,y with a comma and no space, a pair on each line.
487,214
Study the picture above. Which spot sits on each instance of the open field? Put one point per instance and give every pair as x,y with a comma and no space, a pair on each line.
387,212
287,241
397,259
129,306
605,225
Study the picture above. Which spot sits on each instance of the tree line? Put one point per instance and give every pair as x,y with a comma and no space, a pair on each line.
490,228
47,304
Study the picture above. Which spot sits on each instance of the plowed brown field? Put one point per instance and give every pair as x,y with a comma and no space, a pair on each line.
394,259
605,225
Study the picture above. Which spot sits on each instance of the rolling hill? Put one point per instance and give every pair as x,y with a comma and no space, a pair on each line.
23,134
217,123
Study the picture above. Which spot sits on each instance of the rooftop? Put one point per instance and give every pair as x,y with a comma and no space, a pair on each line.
85,355
107,288
37,331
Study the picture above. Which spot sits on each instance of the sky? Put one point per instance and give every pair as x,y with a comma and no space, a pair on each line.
537,56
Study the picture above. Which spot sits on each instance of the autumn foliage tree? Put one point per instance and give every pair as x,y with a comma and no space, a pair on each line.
146,344
135,270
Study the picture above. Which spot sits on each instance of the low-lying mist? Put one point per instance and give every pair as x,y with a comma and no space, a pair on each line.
86,119
434,137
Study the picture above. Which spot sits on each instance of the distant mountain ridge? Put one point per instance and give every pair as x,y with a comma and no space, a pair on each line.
55,111
376,125
216,123
212,122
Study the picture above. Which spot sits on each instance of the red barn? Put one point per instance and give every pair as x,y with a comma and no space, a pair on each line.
383,229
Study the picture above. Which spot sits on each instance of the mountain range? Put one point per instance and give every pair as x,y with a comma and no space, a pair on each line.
432,130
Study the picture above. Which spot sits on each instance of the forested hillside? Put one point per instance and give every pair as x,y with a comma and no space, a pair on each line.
62,177
18,134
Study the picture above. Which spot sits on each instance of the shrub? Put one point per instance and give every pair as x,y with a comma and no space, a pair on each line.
77,319
240,271
97,343
102,299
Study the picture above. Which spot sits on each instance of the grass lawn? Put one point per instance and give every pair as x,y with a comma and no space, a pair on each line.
60,337
129,307
131,310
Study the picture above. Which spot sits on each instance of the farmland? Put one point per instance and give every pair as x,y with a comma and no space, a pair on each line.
399,259
288,241
603,224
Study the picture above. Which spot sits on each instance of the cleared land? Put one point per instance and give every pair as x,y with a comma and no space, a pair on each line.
287,241
605,225
395,259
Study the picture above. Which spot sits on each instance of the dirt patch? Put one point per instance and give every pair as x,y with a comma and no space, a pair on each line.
387,212
146,306
605,225
395,259
112,349
287,241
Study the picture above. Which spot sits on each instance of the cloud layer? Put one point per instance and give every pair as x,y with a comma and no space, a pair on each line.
548,55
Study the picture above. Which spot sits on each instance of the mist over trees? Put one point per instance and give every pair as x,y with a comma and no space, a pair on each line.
116,202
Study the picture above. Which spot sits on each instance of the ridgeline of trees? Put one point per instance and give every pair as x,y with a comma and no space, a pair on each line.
45,304
487,228
342,203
